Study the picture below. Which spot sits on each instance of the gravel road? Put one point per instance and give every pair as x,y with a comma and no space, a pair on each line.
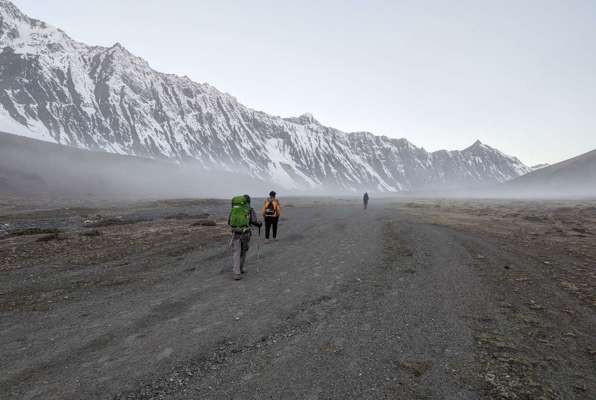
348,303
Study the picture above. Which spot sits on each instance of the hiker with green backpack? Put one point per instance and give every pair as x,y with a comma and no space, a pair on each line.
241,217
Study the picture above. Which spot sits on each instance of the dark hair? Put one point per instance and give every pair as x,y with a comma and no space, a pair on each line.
272,194
247,197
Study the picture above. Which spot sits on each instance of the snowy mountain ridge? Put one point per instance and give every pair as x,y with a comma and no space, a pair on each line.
56,89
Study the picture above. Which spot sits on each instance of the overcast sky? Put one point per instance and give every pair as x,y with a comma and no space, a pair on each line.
518,75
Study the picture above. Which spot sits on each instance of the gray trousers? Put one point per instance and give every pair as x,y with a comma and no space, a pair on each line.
239,249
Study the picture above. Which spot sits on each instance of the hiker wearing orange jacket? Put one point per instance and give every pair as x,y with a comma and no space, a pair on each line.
271,214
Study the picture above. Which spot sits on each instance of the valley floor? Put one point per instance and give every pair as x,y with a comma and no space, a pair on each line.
406,300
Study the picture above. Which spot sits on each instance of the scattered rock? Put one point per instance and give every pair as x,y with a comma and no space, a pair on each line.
569,286
330,347
406,252
180,251
416,368
535,306
177,216
165,353
580,387
99,221
491,340
4,228
534,218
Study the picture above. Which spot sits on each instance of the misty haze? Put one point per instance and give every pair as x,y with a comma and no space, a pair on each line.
400,203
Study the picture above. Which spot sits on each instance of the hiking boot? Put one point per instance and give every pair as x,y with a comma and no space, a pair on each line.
237,277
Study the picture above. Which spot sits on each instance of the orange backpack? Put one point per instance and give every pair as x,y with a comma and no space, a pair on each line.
270,209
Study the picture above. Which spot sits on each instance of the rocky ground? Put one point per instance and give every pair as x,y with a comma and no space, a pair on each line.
539,261
406,300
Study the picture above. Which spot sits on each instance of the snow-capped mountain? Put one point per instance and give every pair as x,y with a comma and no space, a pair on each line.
539,166
56,89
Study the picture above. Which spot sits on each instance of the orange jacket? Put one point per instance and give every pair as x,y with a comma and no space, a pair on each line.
276,207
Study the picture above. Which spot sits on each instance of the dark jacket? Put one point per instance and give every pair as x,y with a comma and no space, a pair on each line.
253,218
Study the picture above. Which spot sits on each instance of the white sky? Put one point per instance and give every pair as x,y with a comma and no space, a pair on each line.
518,75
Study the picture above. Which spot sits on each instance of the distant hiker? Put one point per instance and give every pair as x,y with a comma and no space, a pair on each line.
241,217
365,200
271,214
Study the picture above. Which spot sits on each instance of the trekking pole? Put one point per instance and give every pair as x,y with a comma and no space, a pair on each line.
230,245
259,250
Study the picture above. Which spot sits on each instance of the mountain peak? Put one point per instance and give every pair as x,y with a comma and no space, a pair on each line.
308,116
478,145
118,47
304,119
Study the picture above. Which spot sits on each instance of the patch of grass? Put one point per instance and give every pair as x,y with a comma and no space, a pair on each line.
50,237
205,222
416,368
92,233
186,216
34,231
101,223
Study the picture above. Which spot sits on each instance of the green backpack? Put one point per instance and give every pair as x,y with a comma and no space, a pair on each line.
239,218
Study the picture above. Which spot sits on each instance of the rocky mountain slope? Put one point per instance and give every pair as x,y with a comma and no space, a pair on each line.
39,171
575,177
56,89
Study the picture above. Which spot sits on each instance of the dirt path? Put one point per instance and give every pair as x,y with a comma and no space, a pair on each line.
347,304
